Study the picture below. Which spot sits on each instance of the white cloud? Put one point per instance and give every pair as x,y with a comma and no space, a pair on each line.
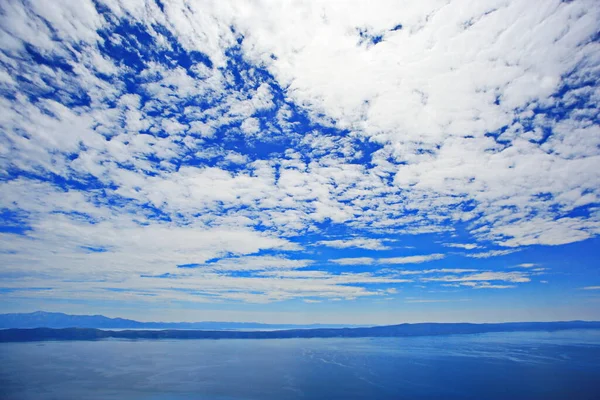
250,126
393,271
526,265
466,246
161,175
360,243
591,288
486,285
410,259
517,277
491,253
389,260
354,261
58,243
258,263
236,158
449,76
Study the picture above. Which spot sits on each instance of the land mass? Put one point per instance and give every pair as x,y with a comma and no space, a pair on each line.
42,319
402,330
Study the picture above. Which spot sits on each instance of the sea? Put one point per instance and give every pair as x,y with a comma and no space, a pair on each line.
516,365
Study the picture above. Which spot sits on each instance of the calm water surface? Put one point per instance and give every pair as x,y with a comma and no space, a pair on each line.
560,365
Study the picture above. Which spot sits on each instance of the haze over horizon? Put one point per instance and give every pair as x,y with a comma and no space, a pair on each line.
306,162
58,320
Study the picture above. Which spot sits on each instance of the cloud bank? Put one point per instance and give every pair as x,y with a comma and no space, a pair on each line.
213,151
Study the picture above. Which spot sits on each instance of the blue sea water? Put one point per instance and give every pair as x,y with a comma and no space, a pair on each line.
532,365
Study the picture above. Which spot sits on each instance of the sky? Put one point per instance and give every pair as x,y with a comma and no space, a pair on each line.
303,161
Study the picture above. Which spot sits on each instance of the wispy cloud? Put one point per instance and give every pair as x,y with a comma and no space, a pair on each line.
491,253
392,271
526,265
388,261
360,243
466,246
486,285
411,259
517,277
354,261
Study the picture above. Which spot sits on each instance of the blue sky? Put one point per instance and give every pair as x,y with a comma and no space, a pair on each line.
305,162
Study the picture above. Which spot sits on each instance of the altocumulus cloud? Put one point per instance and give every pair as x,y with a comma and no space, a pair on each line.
206,151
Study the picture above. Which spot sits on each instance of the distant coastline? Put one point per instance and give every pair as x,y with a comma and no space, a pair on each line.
402,330
43,319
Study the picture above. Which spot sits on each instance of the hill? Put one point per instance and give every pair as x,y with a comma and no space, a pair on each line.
42,319
403,330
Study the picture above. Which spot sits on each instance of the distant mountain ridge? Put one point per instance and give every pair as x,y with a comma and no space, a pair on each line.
403,330
43,319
